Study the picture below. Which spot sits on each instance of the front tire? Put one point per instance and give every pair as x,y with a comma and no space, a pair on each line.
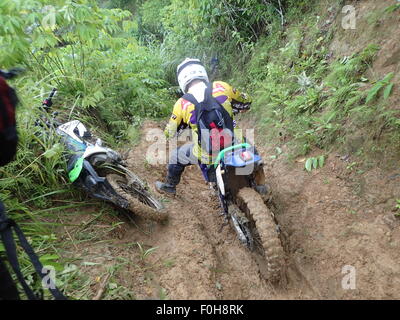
142,203
253,205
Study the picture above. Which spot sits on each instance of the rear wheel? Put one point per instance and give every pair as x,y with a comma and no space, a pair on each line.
265,231
141,201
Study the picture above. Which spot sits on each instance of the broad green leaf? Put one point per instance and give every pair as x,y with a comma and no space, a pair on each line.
57,266
315,163
69,268
374,91
388,77
321,160
98,95
392,8
50,260
112,286
388,91
48,257
308,164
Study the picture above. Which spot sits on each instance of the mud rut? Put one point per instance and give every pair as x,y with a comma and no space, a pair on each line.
330,218
209,262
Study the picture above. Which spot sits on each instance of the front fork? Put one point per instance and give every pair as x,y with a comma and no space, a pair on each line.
223,205
229,213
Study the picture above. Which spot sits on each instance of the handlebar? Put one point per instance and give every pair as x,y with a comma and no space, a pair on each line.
47,103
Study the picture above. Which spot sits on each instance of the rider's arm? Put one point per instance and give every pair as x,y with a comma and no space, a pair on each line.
240,97
175,120
234,94
240,100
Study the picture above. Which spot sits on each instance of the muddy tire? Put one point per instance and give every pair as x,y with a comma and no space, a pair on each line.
119,184
253,205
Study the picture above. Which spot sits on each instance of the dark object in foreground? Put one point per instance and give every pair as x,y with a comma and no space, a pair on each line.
8,130
8,147
8,290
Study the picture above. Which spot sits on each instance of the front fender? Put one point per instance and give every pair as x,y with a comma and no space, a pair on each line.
76,170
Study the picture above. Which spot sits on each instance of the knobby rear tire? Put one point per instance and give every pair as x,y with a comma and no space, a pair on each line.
135,205
252,203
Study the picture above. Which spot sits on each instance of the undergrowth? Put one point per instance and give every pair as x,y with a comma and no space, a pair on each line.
312,100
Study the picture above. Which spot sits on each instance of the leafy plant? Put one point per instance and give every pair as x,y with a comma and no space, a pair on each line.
145,253
314,163
384,83
398,207
163,294
392,8
351,166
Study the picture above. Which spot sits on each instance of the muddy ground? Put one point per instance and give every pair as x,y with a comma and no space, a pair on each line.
331,218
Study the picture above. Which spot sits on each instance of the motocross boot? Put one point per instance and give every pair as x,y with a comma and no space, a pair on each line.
167,187
260,184
262,189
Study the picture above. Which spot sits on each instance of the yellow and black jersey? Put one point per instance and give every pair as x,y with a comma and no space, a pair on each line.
183,113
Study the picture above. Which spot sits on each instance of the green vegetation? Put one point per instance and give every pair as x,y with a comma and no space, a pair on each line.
114,65
145,253
104,77
314,101
384,83
397,207
314,163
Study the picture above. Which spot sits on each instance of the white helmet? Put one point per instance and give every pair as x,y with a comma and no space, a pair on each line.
189,70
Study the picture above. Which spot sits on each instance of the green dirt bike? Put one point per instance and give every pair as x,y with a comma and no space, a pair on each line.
244,207
99,170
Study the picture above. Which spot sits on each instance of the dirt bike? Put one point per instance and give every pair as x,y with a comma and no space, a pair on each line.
99,170
244,207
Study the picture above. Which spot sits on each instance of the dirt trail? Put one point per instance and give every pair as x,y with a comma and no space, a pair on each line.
340,216
331,218
208,261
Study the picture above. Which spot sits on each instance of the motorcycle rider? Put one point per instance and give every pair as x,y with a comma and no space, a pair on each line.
193,79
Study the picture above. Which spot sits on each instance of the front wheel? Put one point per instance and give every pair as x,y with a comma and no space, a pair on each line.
141,201
265,230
